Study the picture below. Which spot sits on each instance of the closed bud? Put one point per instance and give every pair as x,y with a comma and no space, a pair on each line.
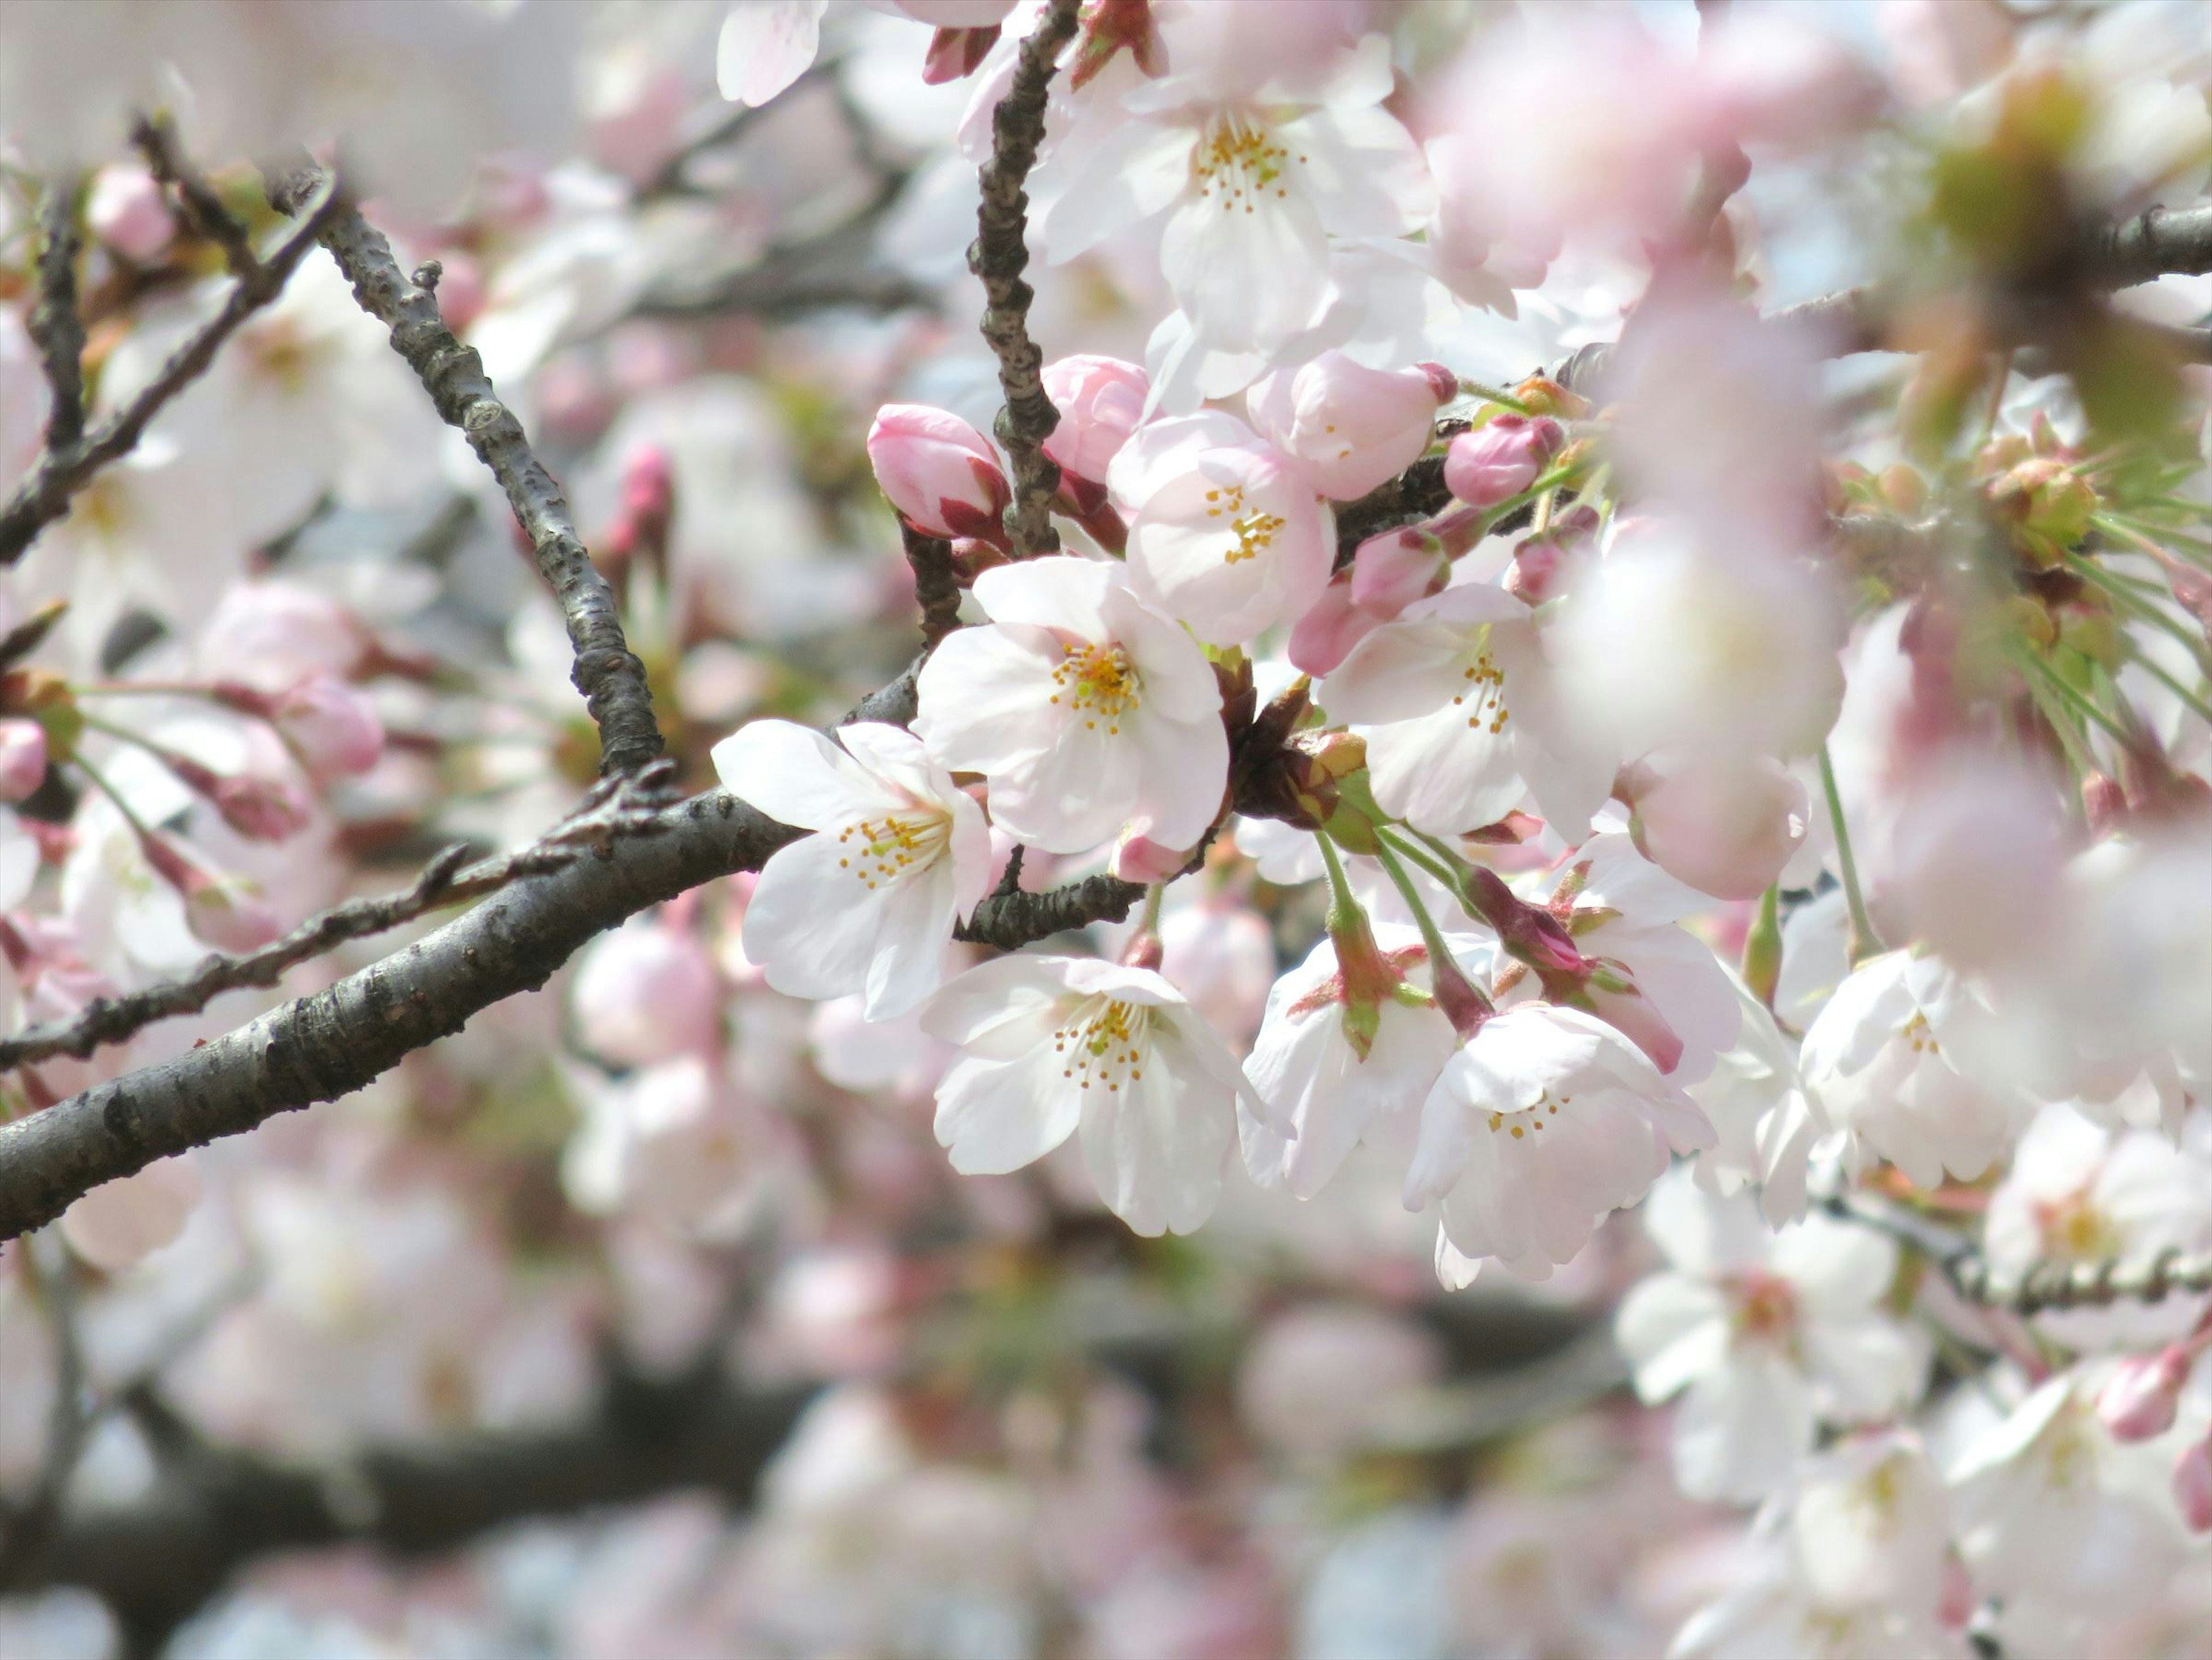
938,472
330,726
2140,1402
22,758
1541,395
126,210
1498,462
1395,567
2045,505
1138,858
1100,400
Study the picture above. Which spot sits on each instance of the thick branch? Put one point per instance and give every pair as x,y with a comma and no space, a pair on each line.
55,325
58,474
998,256
2157,242
936,588
444,882
159,1560
1009,920
612,679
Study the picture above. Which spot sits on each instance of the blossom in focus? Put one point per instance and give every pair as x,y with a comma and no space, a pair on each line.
866,903
1541,1123
1351,427
938,472
1056,1046
1227,533
1501,458
1769,1333
1084,708
1101,400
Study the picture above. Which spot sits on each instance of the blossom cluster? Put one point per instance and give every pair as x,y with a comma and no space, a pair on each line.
1586,793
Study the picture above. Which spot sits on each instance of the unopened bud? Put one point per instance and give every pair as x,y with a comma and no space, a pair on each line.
2104,803
330,726
1138,858
2045,505
2140,1402
1394,567
1498,462
259,808
938,472
126,210
22,759
1541,395
1100,400
227,912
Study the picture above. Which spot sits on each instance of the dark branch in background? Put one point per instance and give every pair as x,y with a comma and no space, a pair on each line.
60,472
612,679
56,327
156,139
2157,242
448,880
936,589
998,256
212,1510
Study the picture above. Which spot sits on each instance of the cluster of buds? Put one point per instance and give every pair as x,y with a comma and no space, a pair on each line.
1502,459
940,474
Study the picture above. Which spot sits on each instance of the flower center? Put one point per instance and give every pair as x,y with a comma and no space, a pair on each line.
1764,1305
880,850
1099,683
1532,1116
2074,1230
1254,530
1483,694
1917,1032
1239,164
1105,1042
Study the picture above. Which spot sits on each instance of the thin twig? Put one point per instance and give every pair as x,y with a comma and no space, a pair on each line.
998,256
935,590
448,880
58,475
155,137
55,325
612,678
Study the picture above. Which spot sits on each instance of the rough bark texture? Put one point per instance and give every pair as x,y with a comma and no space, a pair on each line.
2154,243
59,473
612,679
1011,920
213,1511
55,325
936,589
998,256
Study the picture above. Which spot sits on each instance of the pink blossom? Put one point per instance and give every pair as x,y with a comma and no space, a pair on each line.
272,634
1392,569
122,1221
126,210
1100,400
1352,427
2193,1484
938,472
2140,1402
1497,461
648,992
22,758
330,726
1725,822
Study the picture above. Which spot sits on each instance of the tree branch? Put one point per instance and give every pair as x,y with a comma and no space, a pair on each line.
1009,920
612,679
605,815
998,256
936,589
214,1509
2157,242
58,474
56,326
155,137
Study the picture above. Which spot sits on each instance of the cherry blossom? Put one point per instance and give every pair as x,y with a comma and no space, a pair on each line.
1084,709
1054,1046
867,902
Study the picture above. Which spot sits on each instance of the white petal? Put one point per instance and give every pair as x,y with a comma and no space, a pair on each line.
794,774
1250,280
993,1117
812,925
765,45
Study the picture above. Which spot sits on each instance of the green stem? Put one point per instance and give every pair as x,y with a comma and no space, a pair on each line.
1762,947
1441,961
100,782
1492,394
1342,906
2194,704
2141,606
1436,866
1864,942
2080,703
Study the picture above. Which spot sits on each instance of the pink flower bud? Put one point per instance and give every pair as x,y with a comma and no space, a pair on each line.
648,992
1724,823
126,210
938,472
1352,427
22,758
1331,627
2192,1485
2140,1402
227,912
1394,567
259,808
330,726
1100,400
1138,858
1500,460
272,634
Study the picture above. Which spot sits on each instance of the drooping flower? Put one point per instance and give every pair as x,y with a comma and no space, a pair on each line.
1768,1332
1541,1123
1057,1046
867,903
1351,427
1100,400
1084,709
